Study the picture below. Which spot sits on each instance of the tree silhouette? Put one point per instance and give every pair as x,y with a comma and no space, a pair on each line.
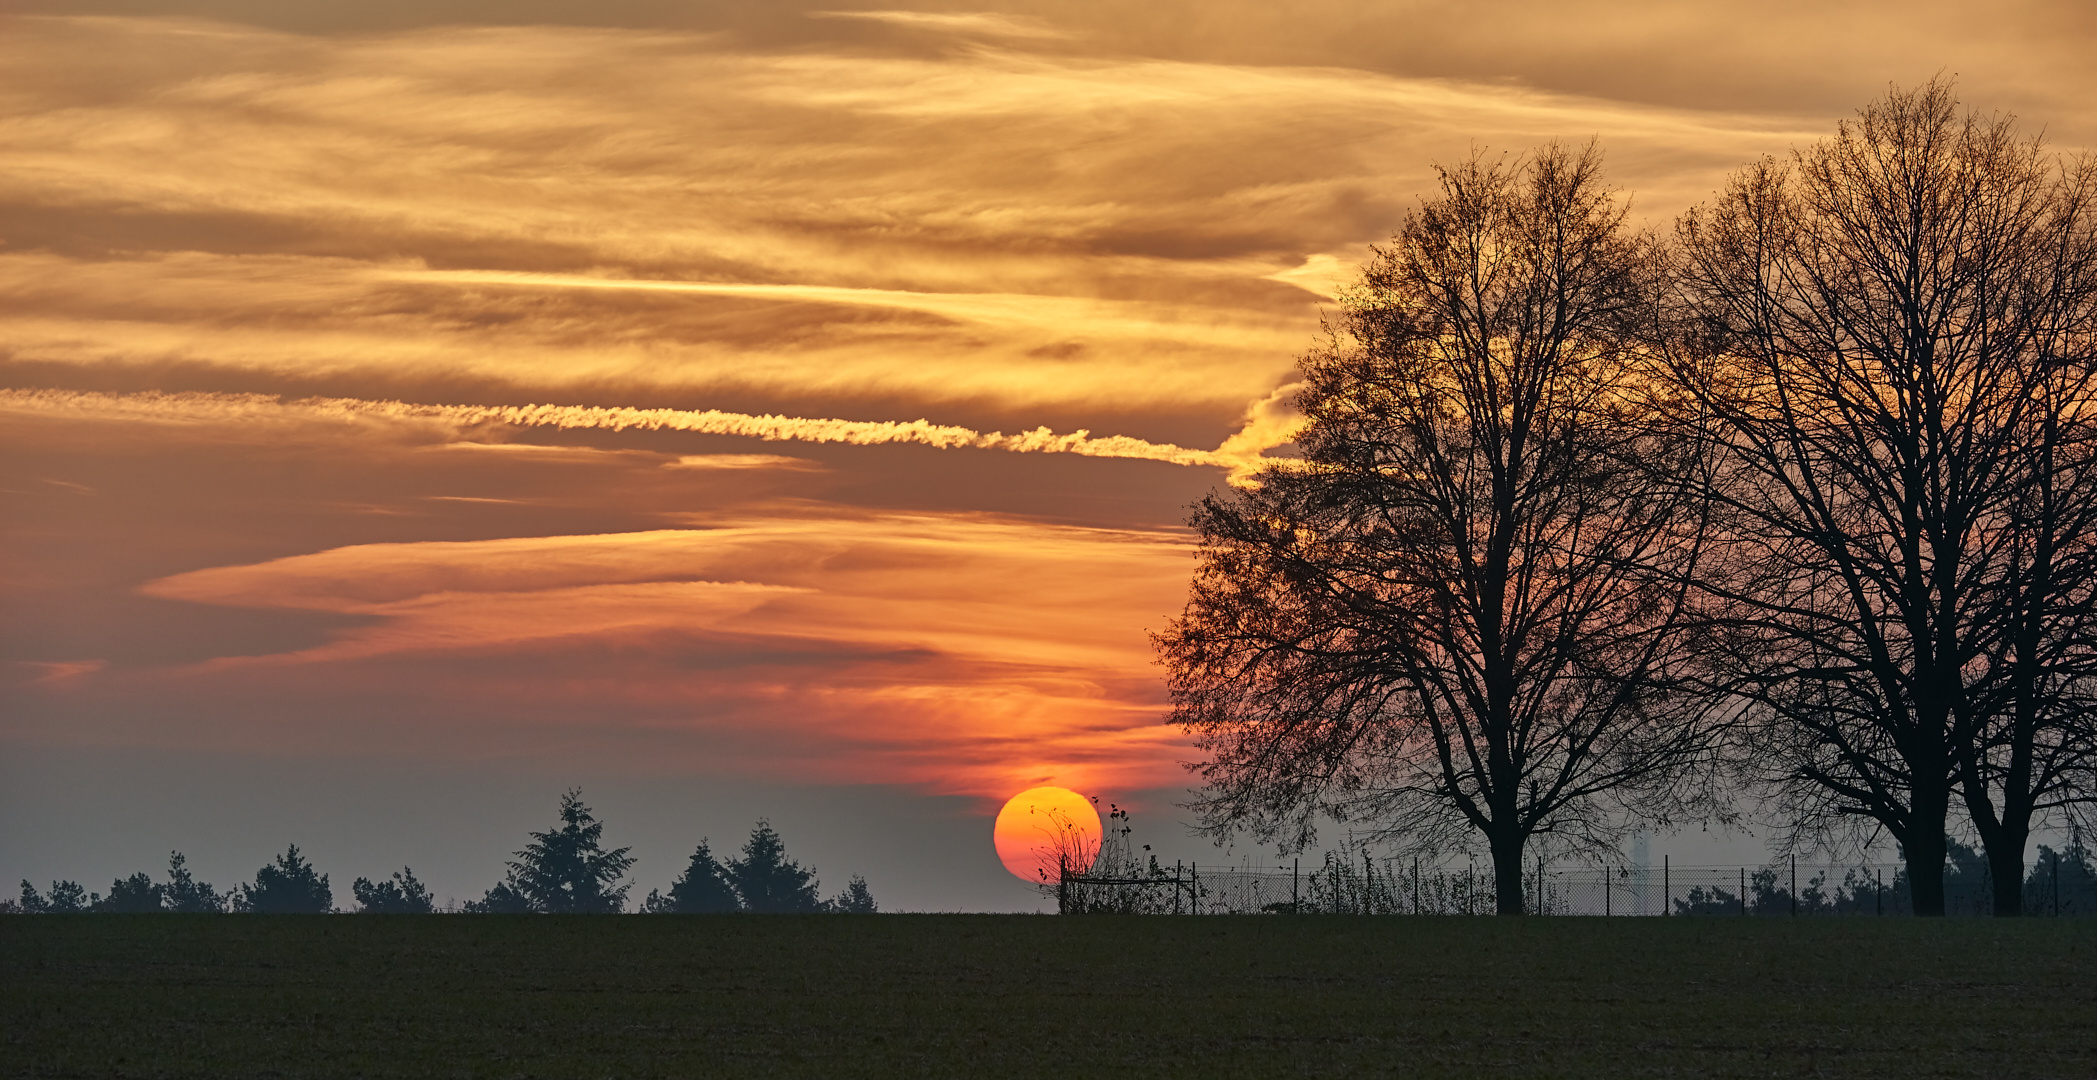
184,894
403,895
2062,882
287,886
501,900
768,881
566,870
855,899
1889,341
1461,614
67,898
704,889
134,895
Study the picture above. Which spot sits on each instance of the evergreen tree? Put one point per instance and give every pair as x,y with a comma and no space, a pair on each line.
703,890
566,870
184,894
134,895
67,898
401,896
287,886
856,899
768,881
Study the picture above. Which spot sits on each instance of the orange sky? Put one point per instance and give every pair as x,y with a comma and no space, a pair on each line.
944,314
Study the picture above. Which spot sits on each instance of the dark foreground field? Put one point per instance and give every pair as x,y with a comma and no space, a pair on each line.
1014,996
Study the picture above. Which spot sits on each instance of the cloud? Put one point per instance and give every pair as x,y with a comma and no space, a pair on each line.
61,673
975,23
640,212
743,461
1265,426
964,651
729,227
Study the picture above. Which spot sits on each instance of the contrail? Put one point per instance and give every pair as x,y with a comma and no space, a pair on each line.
1237,454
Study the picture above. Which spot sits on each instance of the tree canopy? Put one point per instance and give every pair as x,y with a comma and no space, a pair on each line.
565,870
1888,339
402,895
1581,515
288,885
1462,612
767,881
703,889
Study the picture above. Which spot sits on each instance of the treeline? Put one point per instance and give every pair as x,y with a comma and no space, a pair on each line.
564,870
2061,882
1595,528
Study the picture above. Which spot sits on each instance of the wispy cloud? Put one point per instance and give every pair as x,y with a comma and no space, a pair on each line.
1265,429
981,23
550,209
967,652
821,228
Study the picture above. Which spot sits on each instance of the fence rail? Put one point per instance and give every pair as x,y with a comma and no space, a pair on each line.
1392,887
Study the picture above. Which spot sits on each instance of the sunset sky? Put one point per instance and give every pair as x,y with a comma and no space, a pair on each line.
881,352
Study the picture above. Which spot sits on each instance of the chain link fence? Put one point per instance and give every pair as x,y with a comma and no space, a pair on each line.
1368,886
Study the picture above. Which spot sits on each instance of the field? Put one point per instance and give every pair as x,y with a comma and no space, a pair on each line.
1021,996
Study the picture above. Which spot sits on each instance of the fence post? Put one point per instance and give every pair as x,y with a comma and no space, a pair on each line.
1743,892
1175,886
1416,883
1880,893
1193,890
1062,885
1794,886
1539,884
1368,884
1667,887
2056,884
1606,883
1295,877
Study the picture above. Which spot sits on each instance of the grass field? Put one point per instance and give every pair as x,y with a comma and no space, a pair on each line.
1022,996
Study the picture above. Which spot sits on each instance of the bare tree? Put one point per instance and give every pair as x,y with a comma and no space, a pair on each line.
1461,614
1888,336
2037,687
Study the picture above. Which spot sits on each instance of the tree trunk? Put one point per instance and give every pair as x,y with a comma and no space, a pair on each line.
2003,840
1513,899
1923,847
2006,870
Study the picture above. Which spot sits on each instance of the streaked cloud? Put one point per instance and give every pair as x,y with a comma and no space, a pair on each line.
983,23
1265,428
1001,632
741,461
546,209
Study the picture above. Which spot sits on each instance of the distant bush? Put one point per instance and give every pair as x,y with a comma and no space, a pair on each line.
403,895
137,894
856,899
133,895
184,894
501,900
67,898
287,886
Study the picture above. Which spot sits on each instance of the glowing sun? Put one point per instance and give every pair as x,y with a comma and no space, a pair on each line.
1042,827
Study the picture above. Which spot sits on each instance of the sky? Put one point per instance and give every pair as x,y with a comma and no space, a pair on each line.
740,410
